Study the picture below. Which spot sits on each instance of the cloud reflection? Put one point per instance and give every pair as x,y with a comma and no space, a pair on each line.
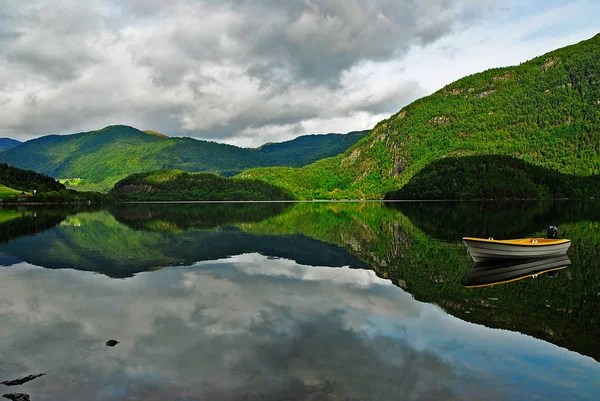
248,328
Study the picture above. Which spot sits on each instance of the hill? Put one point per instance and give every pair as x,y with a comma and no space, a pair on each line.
39,188
494,177
8,143
177,185
101,158
26,180
545,112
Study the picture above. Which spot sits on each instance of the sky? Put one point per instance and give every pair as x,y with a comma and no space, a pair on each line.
249,72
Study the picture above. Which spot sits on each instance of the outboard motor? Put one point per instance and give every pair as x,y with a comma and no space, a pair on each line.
552,232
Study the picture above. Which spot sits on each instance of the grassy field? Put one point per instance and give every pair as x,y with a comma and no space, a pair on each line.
6,192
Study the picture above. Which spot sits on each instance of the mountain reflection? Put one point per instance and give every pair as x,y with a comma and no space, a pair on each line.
184,217
128,239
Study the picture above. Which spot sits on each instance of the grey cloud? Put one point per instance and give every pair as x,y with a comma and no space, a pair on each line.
210,69
327,37
49,39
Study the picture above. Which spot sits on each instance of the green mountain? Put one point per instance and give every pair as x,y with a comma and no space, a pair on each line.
98,159
8,143
169,185
545,112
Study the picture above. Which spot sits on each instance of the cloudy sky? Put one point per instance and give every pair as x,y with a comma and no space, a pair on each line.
248,72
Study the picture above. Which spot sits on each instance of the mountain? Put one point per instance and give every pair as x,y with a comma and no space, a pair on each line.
310,148
8,143
101,158
545,112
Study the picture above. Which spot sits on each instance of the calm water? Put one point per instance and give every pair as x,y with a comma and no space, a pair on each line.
325,301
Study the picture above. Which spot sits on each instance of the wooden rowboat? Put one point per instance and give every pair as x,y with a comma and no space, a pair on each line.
482,249
492,272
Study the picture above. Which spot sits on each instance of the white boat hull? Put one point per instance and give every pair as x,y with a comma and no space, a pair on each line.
482,251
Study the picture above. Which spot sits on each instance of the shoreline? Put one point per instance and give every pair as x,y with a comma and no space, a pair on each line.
292,201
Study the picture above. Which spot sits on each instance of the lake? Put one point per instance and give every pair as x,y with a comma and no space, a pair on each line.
294,301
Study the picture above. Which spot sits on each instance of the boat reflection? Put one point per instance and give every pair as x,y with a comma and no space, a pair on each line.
493,272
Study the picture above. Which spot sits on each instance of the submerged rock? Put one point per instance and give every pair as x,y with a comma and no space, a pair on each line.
111,343
18,382
16,397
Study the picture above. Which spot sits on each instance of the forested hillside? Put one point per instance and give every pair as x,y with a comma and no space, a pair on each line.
177,185
494,177
26,180
545,112
98,159
17,185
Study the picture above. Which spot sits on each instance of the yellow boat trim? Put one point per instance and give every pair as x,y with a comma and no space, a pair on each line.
514,279
522,241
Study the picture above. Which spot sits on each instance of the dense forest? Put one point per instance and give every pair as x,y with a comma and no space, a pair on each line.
170,185
96,160
27,180
494,177
545,111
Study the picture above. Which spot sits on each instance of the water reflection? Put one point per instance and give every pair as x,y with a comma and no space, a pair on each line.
489,273
450,221
560,310
173,218
254,328
412,245
128,239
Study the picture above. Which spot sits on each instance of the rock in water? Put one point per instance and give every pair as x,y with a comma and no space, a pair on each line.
18,382
16,397
111,343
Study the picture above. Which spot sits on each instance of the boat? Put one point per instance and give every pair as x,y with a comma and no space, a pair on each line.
482,249
492,272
